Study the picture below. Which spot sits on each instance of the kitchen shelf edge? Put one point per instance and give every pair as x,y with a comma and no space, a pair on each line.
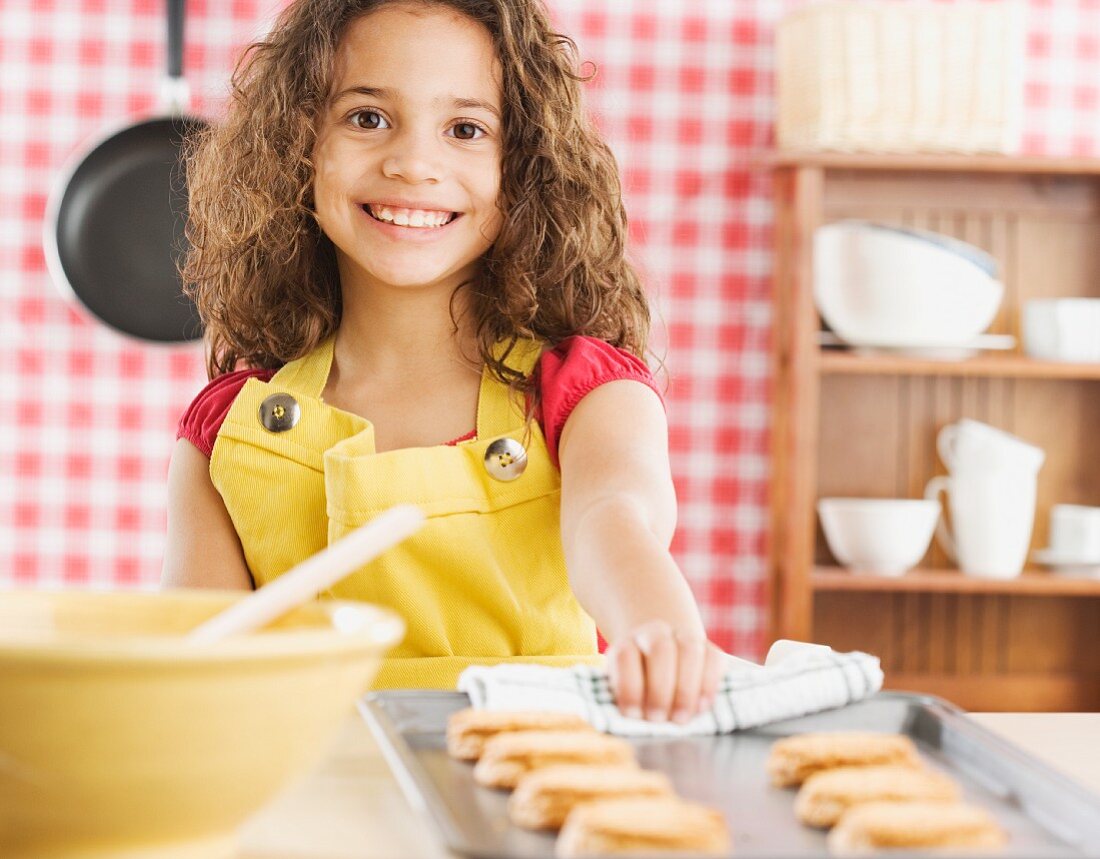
1030,583
956,163
842,362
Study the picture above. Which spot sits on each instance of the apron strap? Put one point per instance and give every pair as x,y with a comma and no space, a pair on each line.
307,375
499,409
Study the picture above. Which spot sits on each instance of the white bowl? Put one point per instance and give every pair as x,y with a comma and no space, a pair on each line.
885,536
877,285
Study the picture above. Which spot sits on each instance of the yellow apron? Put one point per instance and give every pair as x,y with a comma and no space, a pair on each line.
483,581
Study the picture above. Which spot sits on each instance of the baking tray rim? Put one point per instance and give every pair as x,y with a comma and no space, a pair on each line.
418,786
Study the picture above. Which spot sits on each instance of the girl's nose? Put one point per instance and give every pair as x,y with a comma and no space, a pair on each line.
412,160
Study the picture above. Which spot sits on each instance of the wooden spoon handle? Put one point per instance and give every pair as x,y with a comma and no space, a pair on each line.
304,581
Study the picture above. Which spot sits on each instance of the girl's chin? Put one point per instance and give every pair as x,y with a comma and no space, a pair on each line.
404,278
417,270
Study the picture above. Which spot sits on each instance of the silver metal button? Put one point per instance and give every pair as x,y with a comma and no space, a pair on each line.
505,459
279,412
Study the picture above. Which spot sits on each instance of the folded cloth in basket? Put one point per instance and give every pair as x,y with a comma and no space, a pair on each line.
796,679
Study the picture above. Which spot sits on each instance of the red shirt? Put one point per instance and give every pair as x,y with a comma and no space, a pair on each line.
566,373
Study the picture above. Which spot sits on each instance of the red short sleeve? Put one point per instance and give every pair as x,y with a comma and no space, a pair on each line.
575,367
203,418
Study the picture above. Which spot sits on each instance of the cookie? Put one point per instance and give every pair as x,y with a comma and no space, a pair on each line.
793,759
508,756
545,796
826,795
899,825
468,729
645,825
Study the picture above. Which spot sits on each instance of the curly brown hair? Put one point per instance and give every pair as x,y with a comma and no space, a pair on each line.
262,273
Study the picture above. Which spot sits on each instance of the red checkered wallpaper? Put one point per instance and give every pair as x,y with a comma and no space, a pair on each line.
684,94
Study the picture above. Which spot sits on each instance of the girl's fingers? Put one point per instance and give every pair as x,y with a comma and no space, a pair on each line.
659,673
692,652
714,666
660,655
627,679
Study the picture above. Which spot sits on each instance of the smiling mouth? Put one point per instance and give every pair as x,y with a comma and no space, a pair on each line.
453,216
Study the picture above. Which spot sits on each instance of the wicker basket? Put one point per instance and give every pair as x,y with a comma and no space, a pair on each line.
901,77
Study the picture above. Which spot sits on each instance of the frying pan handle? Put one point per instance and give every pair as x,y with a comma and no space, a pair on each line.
175,38
175,95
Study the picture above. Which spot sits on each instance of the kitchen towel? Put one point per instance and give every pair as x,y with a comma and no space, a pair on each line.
796,678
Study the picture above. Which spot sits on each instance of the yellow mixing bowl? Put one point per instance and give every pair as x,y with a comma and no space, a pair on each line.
119,739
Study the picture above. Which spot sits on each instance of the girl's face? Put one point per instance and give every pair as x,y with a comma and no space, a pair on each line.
407,159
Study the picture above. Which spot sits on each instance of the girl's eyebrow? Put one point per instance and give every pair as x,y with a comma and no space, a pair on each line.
383,92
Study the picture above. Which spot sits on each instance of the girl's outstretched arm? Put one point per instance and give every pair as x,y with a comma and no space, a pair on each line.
618,514
202,549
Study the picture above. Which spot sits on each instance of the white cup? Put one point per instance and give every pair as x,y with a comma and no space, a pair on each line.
969,443
1075,532
1062,329
991,497
992,515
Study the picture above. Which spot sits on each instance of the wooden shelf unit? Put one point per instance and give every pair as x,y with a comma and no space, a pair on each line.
1030,643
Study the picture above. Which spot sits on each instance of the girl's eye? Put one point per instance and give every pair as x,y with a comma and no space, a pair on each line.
462,129
372,121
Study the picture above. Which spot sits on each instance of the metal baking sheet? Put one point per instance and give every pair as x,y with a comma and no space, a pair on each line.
1044,813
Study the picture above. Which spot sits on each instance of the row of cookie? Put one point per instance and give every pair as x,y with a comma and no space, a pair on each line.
873,791
566,776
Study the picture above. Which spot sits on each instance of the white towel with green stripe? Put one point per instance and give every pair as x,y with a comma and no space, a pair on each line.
796,679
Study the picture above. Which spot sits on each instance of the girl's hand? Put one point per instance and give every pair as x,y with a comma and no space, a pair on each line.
661,673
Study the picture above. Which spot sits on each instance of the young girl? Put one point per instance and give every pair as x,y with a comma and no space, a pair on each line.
408,251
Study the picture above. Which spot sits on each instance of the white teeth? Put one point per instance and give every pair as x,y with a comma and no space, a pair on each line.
409,217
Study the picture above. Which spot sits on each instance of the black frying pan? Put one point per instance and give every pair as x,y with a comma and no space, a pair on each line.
114,222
